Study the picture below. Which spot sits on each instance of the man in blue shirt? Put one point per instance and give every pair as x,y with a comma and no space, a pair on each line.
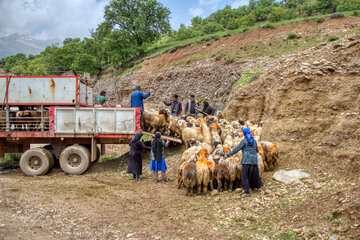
137,98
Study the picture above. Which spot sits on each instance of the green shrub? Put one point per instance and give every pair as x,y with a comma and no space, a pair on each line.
337,15
320,20
293,36
333,38
269,26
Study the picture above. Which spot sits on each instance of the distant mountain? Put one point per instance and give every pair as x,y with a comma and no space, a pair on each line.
19,43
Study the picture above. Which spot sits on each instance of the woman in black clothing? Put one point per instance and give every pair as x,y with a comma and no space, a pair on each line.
135,161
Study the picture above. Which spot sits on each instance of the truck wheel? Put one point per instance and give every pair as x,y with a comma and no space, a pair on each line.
75,159
88,146
35,162
51,158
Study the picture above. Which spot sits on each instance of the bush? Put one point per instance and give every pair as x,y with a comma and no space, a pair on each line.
212,27
246,21
293,36
233,24
356,14
337,15
333,38
348,5
321,20
269,26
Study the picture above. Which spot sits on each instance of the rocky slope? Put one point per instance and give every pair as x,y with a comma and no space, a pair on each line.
309,105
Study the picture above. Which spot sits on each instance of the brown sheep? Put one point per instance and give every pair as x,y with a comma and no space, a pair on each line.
156,122
204,174
262,154
188,134
174,127
222,177
234,166
189,177
271,154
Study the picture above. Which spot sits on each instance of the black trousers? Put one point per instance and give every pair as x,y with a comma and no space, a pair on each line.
250,177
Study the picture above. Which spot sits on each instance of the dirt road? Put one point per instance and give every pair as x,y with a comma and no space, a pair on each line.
105,203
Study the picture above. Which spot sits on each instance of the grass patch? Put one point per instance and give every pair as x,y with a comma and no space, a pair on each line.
333,38
107,158
10,160
146,138
246,78
116,74
293,36
188,60
289,236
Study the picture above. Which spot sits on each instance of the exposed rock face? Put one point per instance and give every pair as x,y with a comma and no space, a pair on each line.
309,104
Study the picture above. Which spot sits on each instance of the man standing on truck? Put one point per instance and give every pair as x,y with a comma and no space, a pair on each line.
137,98
102,100
176,107
191,106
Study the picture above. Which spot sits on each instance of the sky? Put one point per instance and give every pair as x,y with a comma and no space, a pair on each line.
59,19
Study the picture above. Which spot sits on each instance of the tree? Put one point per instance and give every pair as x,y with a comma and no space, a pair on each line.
196,21
144,20
325,6
70,40
348,5
212,27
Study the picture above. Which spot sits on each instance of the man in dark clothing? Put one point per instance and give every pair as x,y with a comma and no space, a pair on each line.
176,107
207,110
137,98
191,106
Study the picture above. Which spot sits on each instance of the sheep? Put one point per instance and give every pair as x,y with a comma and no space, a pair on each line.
156,122
222,175
215,137
234,166
204,174
174,127
271,154
260,165
188,134
205,131
190,152
262,154
189,177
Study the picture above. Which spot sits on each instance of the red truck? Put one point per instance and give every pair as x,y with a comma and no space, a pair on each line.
58,111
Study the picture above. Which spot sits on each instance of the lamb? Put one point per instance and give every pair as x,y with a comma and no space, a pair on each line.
271,154
189,177
222,177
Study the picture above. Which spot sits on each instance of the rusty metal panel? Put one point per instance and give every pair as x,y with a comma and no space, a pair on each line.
86,93
126,121
2,88
42,90
64,120
84,120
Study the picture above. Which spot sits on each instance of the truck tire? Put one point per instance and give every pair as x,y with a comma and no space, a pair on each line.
75,159
88,146
35,162
51,158
50,149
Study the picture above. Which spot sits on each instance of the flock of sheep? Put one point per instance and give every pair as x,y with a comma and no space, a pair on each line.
207,140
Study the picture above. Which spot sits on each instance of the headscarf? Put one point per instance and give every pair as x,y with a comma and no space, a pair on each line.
157,147
248,135
136,138
206,104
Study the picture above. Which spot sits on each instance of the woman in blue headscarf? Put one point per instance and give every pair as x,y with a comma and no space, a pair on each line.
250,177
135,161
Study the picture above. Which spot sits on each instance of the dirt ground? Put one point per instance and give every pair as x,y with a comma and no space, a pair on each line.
105,203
